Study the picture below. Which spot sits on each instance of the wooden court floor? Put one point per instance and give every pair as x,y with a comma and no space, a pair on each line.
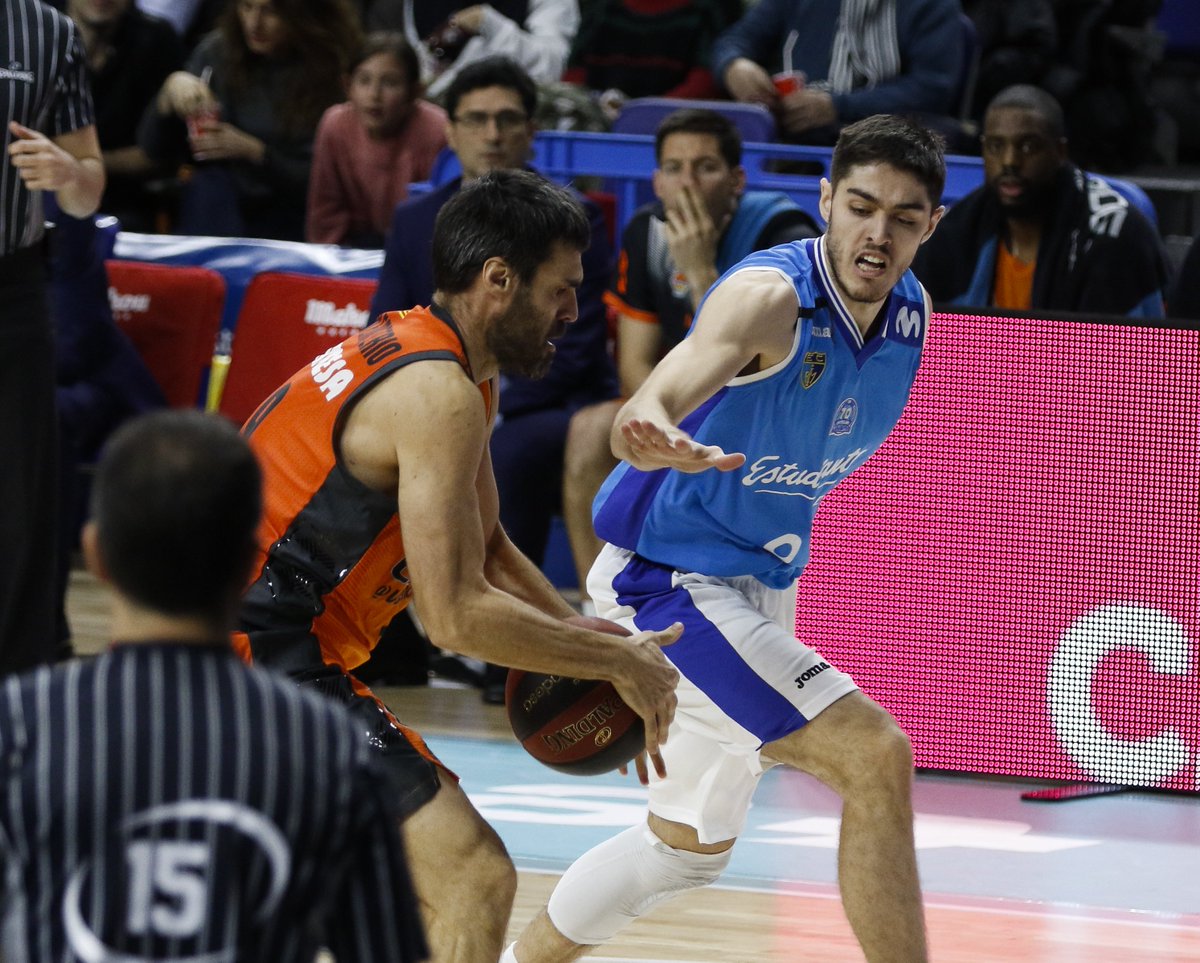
798,919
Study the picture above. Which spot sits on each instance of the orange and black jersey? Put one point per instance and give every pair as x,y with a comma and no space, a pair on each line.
330,572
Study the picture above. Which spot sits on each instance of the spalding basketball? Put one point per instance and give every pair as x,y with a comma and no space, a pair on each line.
577,726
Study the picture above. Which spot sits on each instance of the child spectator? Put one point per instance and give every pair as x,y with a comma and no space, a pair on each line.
369,149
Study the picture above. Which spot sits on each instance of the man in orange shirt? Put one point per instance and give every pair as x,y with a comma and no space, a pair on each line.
1040,233
379,490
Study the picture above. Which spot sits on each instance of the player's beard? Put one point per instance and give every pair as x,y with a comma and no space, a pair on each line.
518,339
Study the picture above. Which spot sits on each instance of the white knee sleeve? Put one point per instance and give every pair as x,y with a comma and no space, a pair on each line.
613,884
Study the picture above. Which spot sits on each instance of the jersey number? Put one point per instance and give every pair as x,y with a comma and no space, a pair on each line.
168,887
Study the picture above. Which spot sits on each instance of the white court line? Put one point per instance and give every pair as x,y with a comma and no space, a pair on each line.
994,906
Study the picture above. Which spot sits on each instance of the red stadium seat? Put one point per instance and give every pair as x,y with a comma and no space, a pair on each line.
285,321
172,315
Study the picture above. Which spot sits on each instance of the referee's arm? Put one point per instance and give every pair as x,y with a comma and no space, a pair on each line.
68,164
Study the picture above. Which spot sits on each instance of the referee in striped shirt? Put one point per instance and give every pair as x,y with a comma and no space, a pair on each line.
165,801
49,145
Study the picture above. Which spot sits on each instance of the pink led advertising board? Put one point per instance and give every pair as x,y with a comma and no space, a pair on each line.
1015,573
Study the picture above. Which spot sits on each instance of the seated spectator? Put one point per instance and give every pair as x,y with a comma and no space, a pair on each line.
1102,75
251,96
672,251
647,48
490,105
129,55
1040,233
849,59
101,381
1017,40
369,149
448,36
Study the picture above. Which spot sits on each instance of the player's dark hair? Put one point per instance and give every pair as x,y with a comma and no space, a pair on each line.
395,43
693,120
491,72
895,140
511,214
176,501
1036,101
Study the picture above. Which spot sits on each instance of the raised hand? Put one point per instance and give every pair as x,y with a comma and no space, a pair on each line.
653,446
692,237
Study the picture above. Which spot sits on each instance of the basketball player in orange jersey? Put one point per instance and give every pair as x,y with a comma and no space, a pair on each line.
379,490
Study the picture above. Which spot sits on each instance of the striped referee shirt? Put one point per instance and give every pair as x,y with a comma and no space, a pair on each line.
43,85
168,802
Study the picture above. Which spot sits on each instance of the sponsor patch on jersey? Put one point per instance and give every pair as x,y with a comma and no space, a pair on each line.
844,418
15,71
679,285
909,323
814,367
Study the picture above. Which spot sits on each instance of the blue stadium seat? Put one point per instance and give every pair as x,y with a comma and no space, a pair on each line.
642,115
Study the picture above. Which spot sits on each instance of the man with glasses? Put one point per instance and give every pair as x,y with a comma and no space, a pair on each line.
1041,234
491,106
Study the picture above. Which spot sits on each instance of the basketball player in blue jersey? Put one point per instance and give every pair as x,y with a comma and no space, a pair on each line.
796,370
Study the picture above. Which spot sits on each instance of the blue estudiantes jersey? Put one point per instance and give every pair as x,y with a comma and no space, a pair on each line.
804,425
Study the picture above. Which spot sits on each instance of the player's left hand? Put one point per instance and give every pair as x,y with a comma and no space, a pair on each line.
40,163
643,773
651,446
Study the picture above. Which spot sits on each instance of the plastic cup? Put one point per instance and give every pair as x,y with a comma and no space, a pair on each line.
201,122
788,82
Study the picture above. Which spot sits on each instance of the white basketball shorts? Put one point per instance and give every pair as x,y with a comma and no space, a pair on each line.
745,680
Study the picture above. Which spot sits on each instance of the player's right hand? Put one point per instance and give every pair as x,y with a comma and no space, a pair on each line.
647,685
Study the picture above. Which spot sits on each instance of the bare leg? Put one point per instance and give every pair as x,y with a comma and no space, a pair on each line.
541,942
856,749
463,877
587,461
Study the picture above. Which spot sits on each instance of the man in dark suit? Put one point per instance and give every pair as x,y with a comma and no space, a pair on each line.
491,106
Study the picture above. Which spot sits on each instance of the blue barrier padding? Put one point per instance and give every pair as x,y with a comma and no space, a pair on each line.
625,163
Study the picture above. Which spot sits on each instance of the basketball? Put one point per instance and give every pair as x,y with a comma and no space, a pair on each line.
577,726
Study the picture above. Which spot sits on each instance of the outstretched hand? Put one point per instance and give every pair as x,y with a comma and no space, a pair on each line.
651,446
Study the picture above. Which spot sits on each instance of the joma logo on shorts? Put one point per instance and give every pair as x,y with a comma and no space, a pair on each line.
810,673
